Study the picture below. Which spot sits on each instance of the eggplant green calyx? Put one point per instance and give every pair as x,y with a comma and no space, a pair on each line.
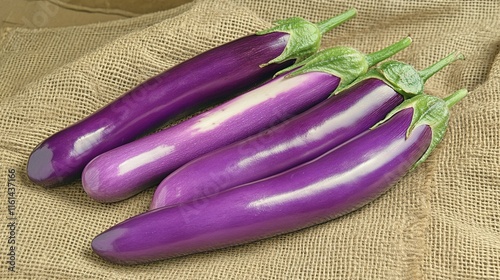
344,62
403,78
305,37
431,111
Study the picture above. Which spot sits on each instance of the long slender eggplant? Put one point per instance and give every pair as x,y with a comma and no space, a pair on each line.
299,139
127,170
206,78
336,183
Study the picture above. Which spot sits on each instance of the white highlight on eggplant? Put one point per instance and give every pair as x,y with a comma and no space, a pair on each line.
87,141
371,164
346,118
298,141
242,103
144,158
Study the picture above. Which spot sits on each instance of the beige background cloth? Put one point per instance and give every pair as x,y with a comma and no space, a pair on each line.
439,222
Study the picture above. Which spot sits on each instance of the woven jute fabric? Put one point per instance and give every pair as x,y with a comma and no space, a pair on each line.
441,221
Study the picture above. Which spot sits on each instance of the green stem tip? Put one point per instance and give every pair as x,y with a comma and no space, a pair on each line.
453,98
434,68
329,24
378,56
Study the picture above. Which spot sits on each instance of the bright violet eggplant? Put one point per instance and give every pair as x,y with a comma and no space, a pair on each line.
129,169
334,184
204,79
299,139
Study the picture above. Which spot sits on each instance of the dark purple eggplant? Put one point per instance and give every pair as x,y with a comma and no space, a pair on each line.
299,139
334,184
213,75
129,169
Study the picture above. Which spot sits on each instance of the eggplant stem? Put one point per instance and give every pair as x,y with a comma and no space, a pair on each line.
329,24
434,68
453,98
378,56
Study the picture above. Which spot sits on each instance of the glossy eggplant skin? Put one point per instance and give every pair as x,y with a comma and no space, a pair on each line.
129,169
336,183
218,73
284,146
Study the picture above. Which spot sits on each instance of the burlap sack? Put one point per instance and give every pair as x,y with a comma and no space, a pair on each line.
440,222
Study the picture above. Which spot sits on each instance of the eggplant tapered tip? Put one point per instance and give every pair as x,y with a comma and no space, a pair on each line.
39,167
102,245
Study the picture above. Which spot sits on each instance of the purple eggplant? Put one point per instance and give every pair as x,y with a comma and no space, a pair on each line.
206,78
336,183
298,139
129,169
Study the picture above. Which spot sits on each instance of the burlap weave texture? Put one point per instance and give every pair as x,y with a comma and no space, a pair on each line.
440,222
